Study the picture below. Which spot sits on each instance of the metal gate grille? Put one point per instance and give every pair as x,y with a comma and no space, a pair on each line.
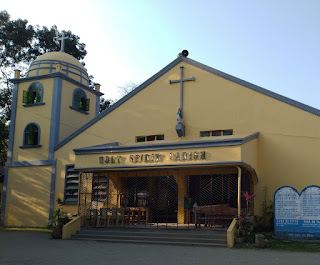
152,201
213,189
128,201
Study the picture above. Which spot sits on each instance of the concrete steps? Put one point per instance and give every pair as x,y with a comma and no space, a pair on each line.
203,238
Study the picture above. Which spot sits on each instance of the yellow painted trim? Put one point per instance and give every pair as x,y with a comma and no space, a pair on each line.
231,233
71,228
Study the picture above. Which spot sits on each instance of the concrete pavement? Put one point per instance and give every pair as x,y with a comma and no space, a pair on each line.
27,247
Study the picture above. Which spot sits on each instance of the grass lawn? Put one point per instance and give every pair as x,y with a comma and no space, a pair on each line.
286,244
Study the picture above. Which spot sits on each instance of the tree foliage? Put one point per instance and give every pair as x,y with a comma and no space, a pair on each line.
105,103
127,88
20,43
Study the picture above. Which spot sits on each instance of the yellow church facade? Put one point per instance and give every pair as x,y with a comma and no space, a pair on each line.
189,137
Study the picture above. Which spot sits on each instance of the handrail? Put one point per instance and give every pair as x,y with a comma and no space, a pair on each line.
71,228
231,233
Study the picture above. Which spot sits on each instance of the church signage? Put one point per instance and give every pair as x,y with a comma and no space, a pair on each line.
297,215
154,157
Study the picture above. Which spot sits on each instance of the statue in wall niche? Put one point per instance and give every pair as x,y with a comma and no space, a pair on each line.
179,119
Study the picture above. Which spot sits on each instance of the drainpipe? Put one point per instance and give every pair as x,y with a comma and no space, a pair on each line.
239,190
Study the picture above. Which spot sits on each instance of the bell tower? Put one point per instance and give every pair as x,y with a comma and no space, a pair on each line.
49,104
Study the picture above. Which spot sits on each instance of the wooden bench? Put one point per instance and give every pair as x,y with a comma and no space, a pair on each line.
210,215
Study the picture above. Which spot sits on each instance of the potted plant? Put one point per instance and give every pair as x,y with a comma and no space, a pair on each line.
60,218
239,235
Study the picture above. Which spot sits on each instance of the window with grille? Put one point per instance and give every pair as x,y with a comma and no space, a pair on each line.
100,184
149,138
71,185
216,133
80,100
34,94
31,134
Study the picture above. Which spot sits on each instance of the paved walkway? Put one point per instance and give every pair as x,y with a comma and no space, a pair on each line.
25,247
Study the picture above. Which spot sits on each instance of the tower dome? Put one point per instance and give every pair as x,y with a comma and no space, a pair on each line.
59,62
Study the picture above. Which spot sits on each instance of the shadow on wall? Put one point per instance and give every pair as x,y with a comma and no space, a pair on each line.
28,197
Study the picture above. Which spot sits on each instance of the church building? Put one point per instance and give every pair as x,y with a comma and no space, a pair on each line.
191,139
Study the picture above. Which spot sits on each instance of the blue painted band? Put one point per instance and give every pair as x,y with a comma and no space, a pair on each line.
30,163
67,72
53,75
79,110
55,116
13,122
164,146
52,191
97,105
10,148
4,196
34,104
69,65
30,146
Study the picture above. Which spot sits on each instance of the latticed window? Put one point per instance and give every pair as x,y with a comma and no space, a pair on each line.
31,134
33,94
80,100
71,185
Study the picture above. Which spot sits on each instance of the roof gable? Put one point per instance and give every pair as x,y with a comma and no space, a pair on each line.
200,66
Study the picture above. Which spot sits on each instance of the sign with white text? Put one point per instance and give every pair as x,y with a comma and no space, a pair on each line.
297,215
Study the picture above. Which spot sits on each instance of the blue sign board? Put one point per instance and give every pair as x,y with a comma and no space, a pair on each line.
297,215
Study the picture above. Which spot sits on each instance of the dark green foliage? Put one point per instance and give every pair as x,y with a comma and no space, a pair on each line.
44,41
4,135
59,219
104,104
21,43
245,228
265,222
15,40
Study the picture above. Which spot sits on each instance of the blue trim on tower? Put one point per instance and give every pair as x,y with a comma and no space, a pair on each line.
67,70
4,195
79,110
31,163
97,105
55,116
52,190
53,75
10,148
13,122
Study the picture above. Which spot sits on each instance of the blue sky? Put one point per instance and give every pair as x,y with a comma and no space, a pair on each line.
273,44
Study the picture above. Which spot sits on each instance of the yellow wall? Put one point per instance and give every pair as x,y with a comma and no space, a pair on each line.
286,147
71,120
28,196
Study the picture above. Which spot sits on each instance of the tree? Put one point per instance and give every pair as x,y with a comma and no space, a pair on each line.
105,103
4,135
20,43
44,41
127,88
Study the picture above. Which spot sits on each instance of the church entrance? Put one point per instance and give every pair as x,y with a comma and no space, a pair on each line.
178,199
128,201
